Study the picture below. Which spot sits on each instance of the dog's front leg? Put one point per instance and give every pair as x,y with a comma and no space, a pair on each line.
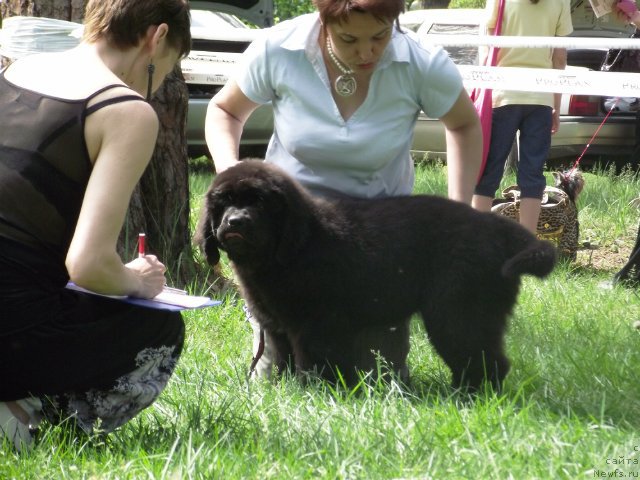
327,353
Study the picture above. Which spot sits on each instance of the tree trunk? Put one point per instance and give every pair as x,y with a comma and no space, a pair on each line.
70,10
160,204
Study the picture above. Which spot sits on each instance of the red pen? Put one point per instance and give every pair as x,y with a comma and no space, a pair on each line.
141,238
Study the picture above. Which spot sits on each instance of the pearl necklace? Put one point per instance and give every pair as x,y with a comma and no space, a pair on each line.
345,85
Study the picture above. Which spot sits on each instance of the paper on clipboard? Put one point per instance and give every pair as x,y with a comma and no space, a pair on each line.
602,7
169,299
181,299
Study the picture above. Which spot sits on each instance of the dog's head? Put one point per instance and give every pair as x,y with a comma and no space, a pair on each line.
571,181
256,213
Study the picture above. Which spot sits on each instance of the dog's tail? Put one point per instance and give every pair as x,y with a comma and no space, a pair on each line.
537,259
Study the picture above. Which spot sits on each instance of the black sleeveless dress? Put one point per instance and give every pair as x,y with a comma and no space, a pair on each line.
55,342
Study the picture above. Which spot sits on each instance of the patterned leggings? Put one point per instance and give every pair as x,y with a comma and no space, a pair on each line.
104,410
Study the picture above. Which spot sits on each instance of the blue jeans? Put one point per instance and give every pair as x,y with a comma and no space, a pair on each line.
534,123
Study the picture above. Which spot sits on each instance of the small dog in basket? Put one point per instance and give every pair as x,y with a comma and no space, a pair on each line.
558,221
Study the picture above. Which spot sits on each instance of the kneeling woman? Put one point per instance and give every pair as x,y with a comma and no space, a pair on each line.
75,136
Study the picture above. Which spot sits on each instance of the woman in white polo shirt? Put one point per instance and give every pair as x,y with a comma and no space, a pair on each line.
346,86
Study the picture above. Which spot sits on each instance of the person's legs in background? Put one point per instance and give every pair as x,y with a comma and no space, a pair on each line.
535,140
529,213
504,126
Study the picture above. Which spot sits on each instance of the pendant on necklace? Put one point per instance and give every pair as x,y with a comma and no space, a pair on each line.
345,85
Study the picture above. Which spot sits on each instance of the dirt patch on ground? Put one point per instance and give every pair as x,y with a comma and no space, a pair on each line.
605,258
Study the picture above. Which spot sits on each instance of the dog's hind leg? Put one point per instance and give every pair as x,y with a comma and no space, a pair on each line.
470,343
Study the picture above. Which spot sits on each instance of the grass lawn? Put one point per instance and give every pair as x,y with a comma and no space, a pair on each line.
570,407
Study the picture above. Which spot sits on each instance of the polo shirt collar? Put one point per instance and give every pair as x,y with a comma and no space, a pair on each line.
304,35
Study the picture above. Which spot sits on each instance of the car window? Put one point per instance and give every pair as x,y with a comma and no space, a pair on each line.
203,19
459,55
219,32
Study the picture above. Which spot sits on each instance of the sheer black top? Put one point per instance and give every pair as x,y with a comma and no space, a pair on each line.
44,165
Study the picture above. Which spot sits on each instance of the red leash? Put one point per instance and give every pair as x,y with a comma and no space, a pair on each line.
577,162
254,361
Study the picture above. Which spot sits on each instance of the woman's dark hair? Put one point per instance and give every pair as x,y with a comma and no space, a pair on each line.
339,10
124,22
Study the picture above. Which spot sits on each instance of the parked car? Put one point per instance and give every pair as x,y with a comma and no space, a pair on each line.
580,115
218,40
216,49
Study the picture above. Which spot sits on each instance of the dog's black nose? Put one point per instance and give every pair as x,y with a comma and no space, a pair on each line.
237,219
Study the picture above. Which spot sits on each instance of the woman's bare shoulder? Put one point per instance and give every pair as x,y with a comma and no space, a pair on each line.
64,75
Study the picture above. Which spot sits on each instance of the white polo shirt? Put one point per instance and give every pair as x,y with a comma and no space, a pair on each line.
368,154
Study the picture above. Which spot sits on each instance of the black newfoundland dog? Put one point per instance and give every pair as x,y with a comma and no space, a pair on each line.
321,275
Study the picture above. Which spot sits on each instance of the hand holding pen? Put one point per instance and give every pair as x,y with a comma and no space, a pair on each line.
150,271
142,254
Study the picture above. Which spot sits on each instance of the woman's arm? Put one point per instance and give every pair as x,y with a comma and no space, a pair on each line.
121,138
227,113
464,148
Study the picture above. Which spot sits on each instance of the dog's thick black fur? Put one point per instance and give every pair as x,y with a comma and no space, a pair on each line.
317,274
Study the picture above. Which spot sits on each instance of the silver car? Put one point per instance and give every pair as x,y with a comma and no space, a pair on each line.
218,40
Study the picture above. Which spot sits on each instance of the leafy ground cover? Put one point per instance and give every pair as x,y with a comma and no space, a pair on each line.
570,407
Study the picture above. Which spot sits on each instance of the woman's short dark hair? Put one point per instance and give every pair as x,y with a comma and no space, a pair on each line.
339,10
124,22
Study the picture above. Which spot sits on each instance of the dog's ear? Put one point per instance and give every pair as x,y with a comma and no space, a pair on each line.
204,236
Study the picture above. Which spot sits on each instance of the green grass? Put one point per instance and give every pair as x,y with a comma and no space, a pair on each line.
570,406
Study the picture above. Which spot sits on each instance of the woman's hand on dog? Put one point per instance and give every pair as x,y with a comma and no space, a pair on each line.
150,273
